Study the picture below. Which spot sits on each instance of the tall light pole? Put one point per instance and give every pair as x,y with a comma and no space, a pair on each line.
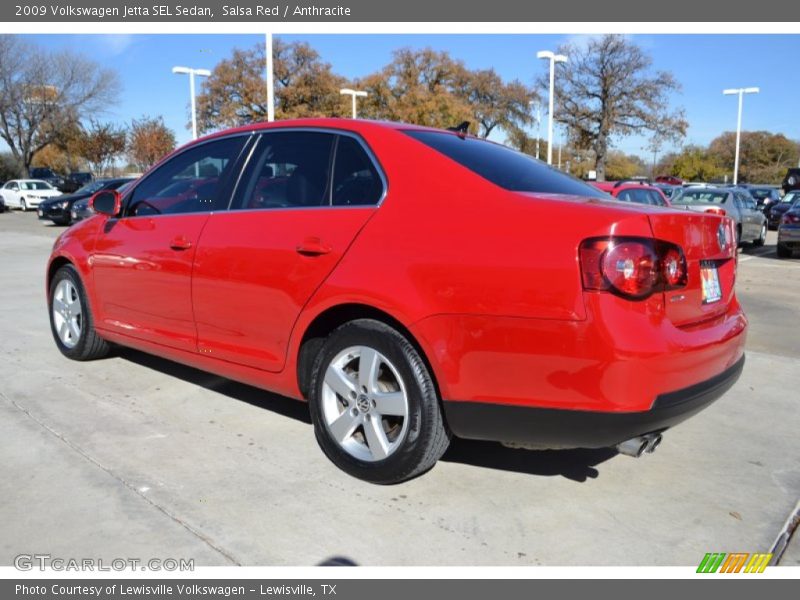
354,94
553,58
191,73
740,92
270,81
538,123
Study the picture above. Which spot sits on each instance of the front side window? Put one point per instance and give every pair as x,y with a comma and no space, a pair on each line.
192,181
36,185
289,169
507,168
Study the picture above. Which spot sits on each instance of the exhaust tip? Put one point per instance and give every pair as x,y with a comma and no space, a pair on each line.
640,444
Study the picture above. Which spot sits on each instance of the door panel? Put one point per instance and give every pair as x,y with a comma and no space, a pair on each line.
255,270
143,279
142,263
303,199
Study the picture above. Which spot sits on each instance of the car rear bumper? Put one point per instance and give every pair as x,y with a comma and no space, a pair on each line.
789,235
561,428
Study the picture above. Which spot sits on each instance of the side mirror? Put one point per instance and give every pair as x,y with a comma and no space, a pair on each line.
106,202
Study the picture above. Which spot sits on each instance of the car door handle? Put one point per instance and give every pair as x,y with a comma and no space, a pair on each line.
180,243
313,247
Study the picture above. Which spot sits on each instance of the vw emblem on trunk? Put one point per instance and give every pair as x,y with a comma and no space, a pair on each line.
722,236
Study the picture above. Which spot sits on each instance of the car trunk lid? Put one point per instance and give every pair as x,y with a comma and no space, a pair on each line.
707,244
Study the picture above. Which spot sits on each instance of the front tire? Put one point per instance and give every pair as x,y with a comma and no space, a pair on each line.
374,404
23,206
71,319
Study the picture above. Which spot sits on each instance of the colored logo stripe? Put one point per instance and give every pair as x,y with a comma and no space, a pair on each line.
717,561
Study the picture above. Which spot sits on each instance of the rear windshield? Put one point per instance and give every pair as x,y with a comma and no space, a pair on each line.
503,166
700,197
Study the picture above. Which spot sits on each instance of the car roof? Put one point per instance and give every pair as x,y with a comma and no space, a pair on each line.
353,125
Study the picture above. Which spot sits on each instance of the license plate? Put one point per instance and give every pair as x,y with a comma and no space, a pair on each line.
712,292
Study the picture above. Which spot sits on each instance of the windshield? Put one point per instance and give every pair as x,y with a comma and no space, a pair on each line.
35,185
700,197
507,168
790,197
91,188
760,193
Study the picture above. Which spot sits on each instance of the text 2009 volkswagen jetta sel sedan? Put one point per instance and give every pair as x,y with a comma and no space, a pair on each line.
411,284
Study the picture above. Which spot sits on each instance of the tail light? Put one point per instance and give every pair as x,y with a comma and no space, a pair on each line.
788,219
631,267
716,211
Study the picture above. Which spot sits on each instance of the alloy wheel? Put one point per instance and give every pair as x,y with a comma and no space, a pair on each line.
67,313
365,403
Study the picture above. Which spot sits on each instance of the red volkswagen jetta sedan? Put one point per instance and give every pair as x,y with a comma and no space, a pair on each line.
410,284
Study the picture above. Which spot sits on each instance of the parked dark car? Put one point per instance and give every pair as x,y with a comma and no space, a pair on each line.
668,189
779,208
82,208
59,210
766,196
789,229
2,205
792,180
76,180
50,176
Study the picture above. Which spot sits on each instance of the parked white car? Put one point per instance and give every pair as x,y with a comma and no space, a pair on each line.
26,193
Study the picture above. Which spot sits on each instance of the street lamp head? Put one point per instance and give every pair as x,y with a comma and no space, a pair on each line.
735,91
560,58
202,72
350,92
181,70
545,54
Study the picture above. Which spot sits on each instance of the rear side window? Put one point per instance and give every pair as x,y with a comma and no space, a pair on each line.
355,180
289,169
503,166
192,181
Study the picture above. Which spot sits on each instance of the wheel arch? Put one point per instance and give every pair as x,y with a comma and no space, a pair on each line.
335,316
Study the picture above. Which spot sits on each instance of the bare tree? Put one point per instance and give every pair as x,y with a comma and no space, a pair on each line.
43,93
607,90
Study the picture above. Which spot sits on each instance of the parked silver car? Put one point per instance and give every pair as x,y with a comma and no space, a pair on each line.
751,224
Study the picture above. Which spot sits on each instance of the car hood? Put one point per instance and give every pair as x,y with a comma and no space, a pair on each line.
68,197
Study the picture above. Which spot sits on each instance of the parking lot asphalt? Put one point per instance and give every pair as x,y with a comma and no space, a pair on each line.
135,456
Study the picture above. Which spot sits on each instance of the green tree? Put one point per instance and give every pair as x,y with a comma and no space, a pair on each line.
607,90
695,163
764,156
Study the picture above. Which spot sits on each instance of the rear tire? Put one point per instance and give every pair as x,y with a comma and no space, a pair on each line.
762,238
374,404
71,319
784,251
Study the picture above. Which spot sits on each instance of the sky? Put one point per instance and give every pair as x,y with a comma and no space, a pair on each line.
704,64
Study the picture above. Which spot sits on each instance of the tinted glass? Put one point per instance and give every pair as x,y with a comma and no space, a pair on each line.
639,196
701,196
35,185
193,181
288,170
355,179
503,166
